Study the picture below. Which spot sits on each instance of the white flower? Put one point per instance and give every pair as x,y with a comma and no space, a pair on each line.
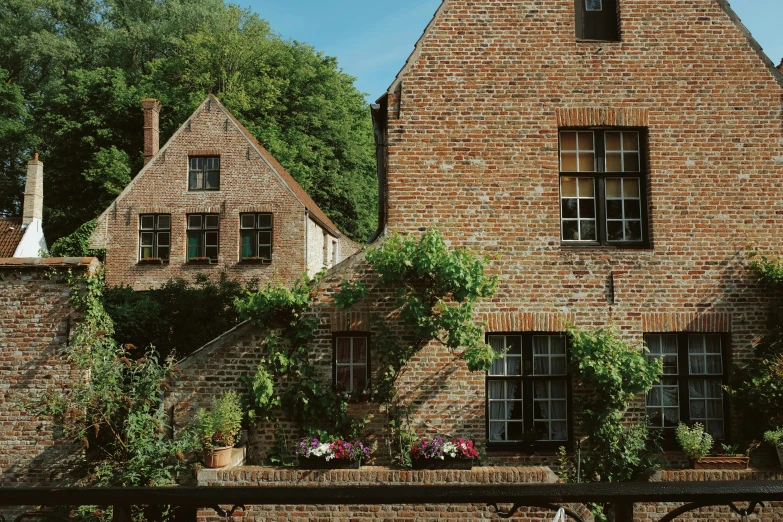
450,449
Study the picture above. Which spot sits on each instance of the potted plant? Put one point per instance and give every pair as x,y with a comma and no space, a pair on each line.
333,454
776,439
201,261
255,260
697,444
218,427
437,453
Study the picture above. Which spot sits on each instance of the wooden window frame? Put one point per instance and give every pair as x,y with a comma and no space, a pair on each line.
201,232
203,185
599,175
368,362
256,229
156,231
682,377
529,444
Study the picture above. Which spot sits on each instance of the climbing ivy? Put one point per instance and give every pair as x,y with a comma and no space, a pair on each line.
283,313
435,290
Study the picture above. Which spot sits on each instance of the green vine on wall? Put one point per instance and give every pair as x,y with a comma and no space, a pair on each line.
435,290
284,314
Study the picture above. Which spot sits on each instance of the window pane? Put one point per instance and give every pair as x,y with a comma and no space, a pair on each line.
196,163
211,252
265,238
265,252
163,239
359,379
344,350
343,378
633,209
593,5
568,140
570,208
586,187
213,180
146,252
194,245
540,366
513,344
631,163
613,188
194,222
497,431
588,231
614,209
147,222
614,162
586,161
570,230
163,253
558,365
211,239
248,221
586,208
630,141
568,162
195,179
633,230
612,140
247,237
631,187
496,390
146,239
568,187
557,345
211,221
585,141
359,350
164,222
513,365
265,221
514,431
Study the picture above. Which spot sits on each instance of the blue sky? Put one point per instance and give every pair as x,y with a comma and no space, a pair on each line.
371,38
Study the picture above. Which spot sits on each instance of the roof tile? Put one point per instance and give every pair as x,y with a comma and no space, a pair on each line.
11,233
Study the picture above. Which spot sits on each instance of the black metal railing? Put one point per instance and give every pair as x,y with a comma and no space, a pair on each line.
620,497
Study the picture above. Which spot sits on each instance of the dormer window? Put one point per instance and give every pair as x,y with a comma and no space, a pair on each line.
597,20
204,173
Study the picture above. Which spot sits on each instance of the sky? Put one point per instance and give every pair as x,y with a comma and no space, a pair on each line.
371,39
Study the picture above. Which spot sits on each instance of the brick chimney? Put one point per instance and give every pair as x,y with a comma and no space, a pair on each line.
151,127
33,192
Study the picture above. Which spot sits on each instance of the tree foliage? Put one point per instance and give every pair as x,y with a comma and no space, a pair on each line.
73,73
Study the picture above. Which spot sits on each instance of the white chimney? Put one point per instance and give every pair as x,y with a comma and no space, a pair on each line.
33,192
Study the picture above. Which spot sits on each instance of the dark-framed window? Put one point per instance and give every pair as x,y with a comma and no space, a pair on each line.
203,236
603,200
351,362
597,20
695,368
204,173
154,236
528,392
255,231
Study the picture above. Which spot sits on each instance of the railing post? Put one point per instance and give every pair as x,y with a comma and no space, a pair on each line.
122,513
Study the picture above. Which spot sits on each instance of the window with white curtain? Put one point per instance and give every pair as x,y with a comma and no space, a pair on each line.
691,387
528,391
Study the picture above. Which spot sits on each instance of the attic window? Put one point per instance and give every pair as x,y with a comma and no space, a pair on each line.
597,20
204,173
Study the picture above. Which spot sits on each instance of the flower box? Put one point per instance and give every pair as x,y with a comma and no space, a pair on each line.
332,454
322,463
202,261
442,464
150,261
721,462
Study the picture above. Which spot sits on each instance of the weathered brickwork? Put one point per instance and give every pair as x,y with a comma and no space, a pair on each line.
36,315
250,181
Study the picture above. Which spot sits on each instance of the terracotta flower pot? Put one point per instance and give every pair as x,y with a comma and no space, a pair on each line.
721,462
218,457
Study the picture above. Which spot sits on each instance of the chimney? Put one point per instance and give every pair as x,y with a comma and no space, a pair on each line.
151,127
33,192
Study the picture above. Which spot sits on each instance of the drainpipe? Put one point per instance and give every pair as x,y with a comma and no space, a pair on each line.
380,129
307,242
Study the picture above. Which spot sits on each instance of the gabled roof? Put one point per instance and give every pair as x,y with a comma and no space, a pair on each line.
98,237
11,233
724,5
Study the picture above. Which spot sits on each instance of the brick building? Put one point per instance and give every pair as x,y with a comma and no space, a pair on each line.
212,197
36,318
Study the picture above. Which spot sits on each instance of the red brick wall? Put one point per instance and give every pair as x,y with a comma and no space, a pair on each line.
35,307
247,184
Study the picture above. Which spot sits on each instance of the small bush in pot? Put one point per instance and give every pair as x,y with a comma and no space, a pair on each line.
217,429
694,441
775,437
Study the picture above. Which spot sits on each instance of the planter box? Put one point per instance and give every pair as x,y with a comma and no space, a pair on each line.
442,464
218,457
319,463
721,462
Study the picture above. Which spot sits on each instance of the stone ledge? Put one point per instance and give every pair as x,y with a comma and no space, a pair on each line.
373,476
49,262
716,475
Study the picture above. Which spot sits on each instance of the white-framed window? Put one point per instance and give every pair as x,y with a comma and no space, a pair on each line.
255,231
351,363
154,237
203,236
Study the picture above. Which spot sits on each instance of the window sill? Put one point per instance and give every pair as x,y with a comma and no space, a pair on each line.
600,247
590,40
196,191
151,262
254,261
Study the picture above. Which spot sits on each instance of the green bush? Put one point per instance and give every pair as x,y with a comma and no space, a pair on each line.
219,426
694,441
775,437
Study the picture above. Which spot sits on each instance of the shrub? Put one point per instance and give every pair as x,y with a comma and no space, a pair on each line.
218,427
775,437
694,441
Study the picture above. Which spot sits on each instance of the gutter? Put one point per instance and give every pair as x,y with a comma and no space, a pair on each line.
380,130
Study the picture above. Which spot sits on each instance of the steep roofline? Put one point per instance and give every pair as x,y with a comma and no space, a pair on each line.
724,4
285,178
